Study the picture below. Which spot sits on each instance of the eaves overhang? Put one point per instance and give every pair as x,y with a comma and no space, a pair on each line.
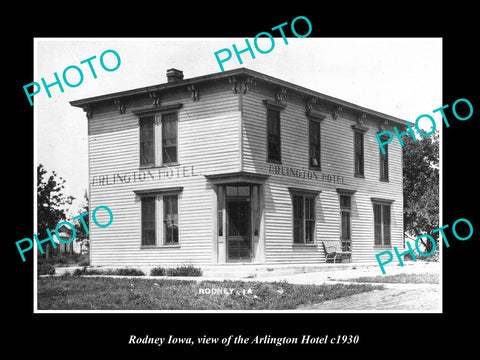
239,72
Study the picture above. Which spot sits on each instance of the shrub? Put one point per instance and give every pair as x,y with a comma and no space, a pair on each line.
184,270
128,272
84,263
45,269
157,271
120,272
85,271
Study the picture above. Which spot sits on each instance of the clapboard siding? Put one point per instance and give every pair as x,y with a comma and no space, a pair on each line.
208,143
337,158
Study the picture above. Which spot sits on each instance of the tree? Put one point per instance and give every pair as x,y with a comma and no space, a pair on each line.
50,203
421,188
82,236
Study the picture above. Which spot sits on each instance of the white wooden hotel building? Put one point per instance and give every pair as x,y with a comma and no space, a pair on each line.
239,167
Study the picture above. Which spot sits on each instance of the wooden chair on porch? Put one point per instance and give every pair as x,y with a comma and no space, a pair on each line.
334,250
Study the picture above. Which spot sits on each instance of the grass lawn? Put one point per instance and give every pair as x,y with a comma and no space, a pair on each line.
426,278
106,293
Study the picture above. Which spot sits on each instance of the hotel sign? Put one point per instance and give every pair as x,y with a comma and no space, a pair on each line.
163,173
304,174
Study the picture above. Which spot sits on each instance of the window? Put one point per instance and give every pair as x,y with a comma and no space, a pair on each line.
147,147
314,144
273,135
255,209
345,211
169,138
303,219
358,144
148,221
170,219
381,215
158,137
384,162
159,216
220,207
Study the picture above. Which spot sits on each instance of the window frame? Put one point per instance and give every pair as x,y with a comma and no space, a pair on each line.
383,161
382,204
276,118
276,107
142,221
315,122
162,121
344,209
306,196
157,114
359,157
150,121
165,220
159,215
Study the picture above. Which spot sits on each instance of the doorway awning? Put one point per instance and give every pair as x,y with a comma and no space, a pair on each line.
237,177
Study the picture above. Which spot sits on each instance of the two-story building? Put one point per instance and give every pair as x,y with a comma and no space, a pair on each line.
239,167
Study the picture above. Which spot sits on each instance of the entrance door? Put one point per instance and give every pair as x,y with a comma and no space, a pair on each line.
239,240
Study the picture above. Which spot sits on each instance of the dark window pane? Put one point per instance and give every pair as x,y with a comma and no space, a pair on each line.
232,213
243,218
169,154
169,138
244,191
314,143
170,219
148,221
232,191
220,206
386,224
309,231
273,135
298,207
377,215
345,202
309,208
358,153
147,148
297,231
345,225
384,163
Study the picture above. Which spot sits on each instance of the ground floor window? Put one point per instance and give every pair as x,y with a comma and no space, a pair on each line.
303,209
382,220
159,217
148,221
170,219
345,211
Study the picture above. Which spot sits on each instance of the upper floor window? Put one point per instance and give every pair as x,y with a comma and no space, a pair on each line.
273,136
384,163
169,138
159,135
147,143
358,153
315,144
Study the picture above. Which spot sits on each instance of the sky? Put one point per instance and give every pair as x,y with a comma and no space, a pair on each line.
401,77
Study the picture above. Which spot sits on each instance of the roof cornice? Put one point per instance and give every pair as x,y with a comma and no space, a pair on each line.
239,72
